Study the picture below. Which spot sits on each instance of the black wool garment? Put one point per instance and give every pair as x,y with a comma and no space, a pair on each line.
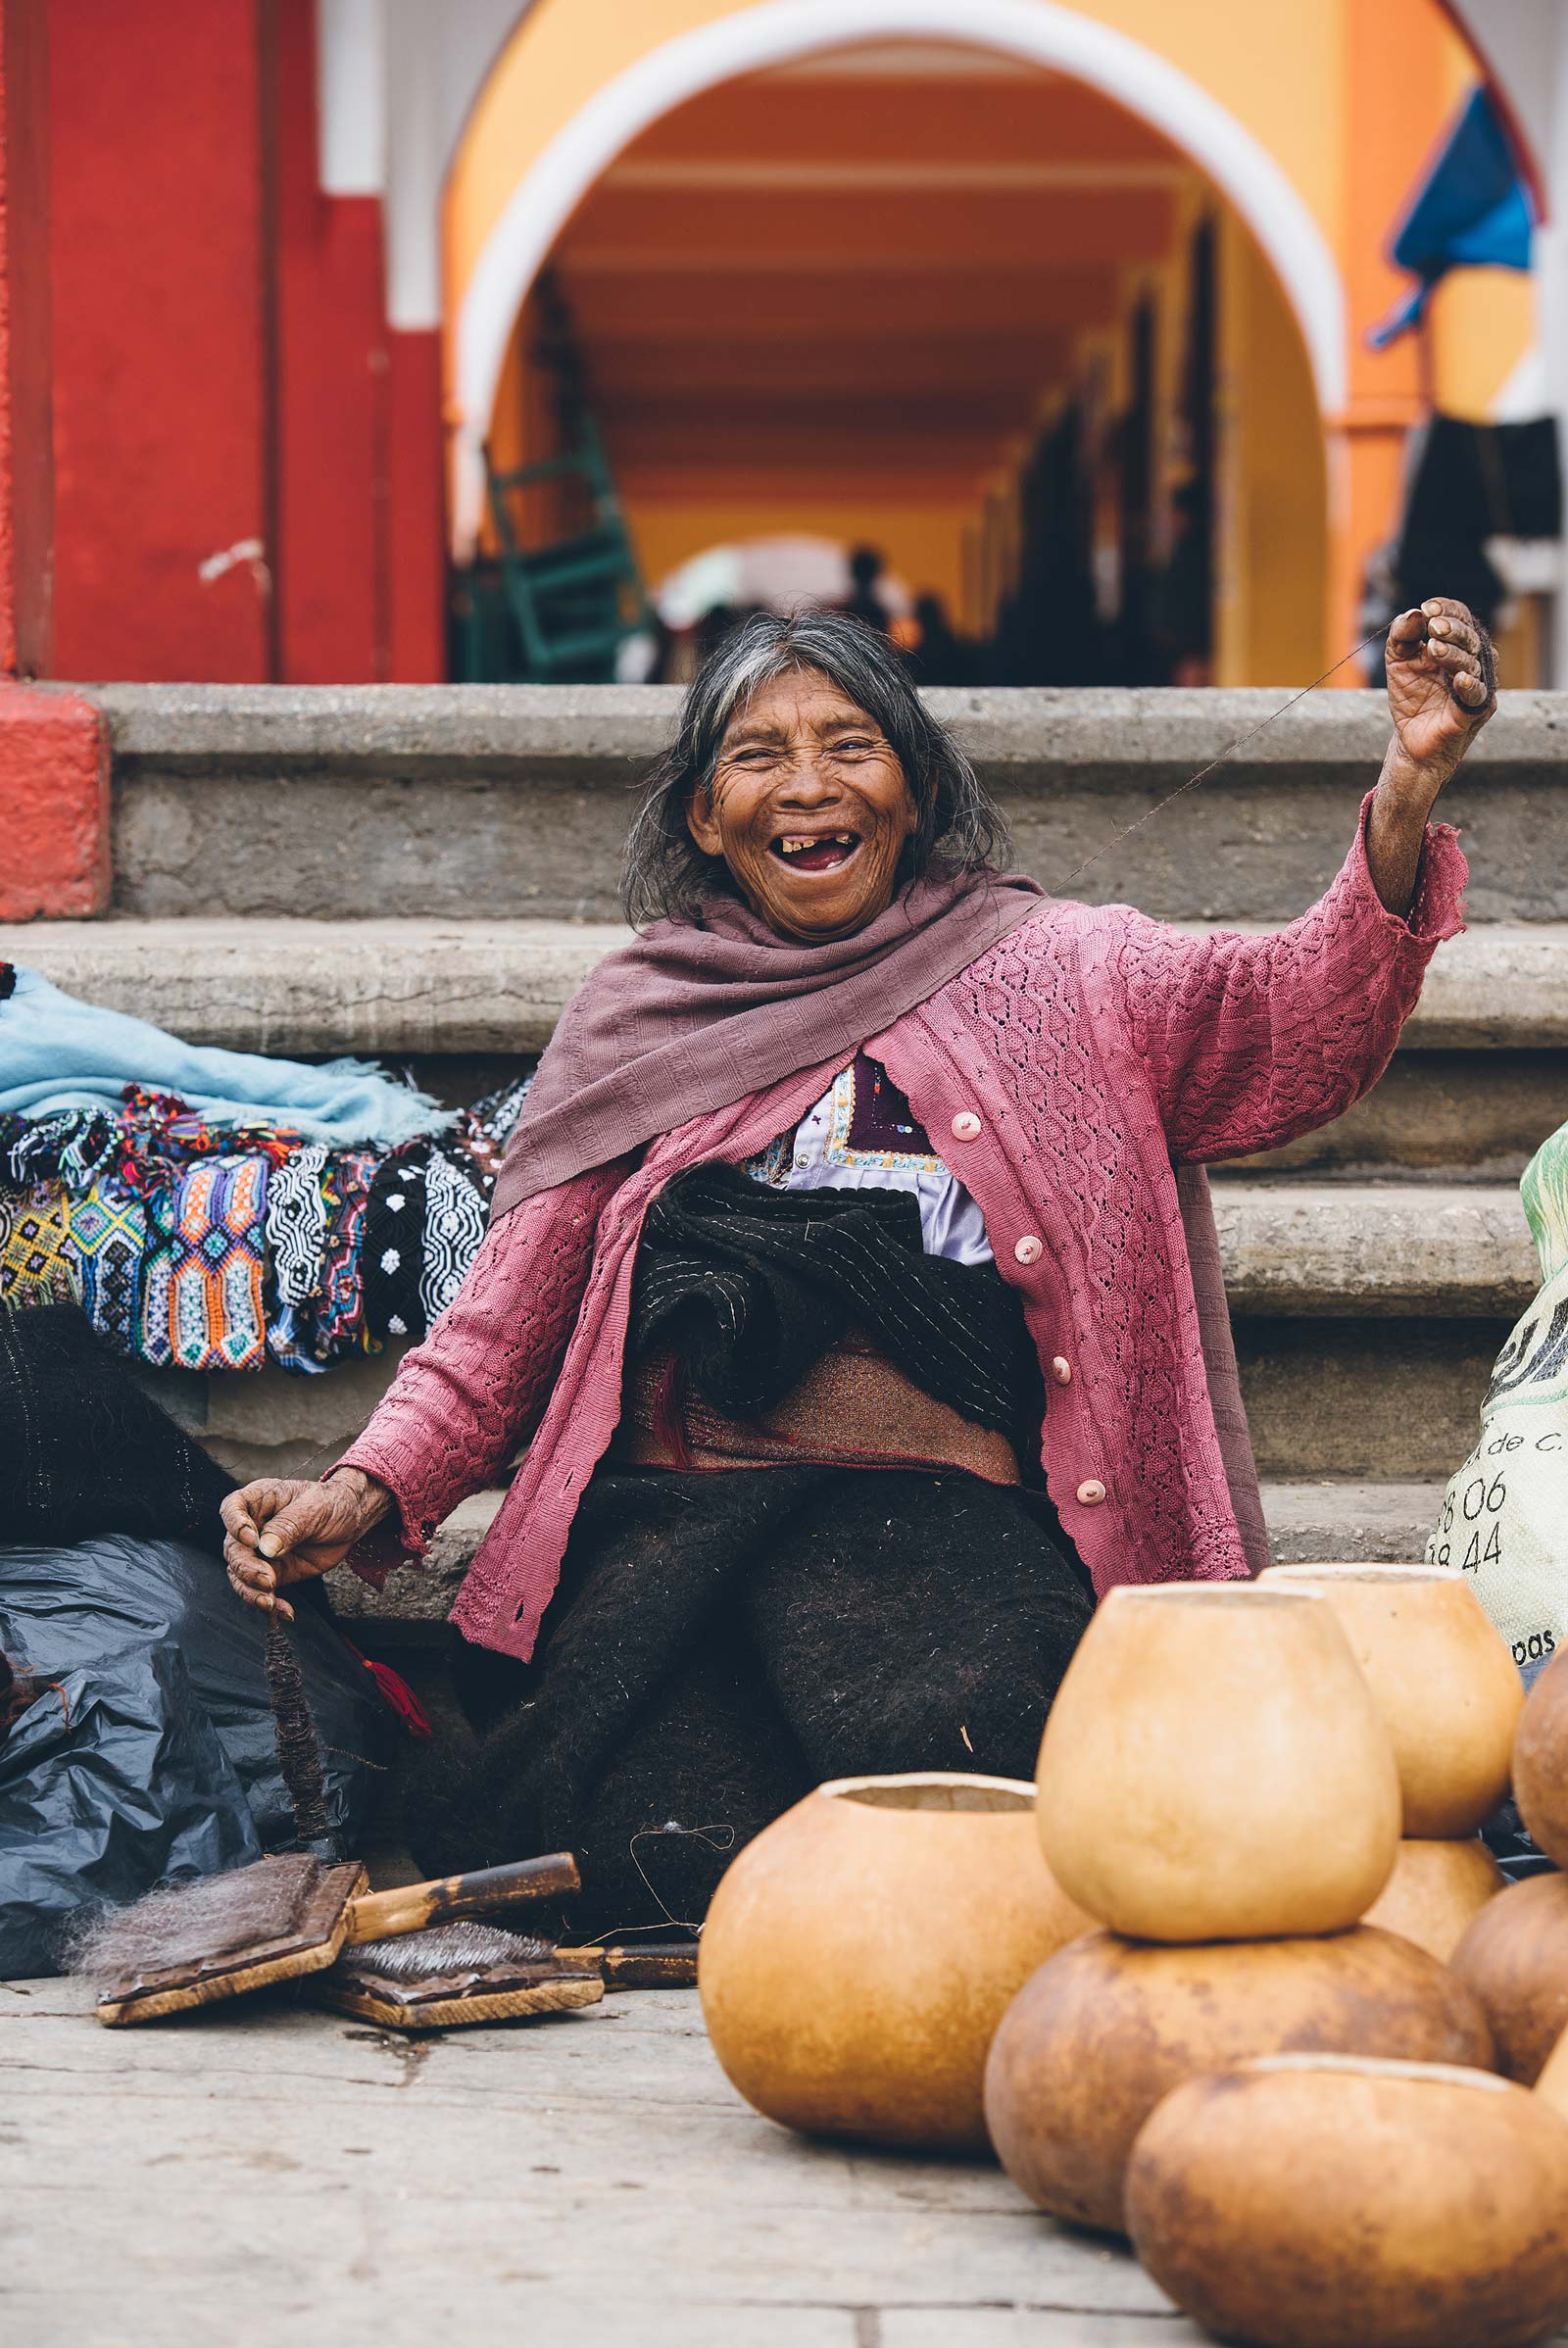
85,1449
750,1287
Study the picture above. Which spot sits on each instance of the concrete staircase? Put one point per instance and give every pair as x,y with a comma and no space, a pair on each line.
424,874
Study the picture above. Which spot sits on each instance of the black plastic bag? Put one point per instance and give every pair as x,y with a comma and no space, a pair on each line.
153,1756
114,1780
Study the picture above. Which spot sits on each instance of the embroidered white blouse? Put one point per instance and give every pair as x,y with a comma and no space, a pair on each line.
862,1135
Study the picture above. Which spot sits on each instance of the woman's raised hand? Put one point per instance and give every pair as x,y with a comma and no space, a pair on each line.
280,1530
1441,684
1443,687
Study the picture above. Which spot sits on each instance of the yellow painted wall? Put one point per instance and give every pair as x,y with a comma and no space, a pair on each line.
1482,322
1271,598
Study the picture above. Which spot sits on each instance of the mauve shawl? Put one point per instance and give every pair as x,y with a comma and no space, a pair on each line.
693,1016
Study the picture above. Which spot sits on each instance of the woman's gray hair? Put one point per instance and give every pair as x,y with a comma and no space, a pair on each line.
959,828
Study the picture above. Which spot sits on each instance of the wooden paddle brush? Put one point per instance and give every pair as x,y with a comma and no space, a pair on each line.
276,1921
467,1972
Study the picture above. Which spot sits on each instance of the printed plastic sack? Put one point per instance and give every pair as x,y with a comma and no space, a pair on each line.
153,1756
1504,1516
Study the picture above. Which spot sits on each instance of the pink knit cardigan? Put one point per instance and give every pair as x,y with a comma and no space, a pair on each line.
1060,1075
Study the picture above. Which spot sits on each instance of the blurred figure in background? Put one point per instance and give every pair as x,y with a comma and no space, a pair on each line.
865,602
941,656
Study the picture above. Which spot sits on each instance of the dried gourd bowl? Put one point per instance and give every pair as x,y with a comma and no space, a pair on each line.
1107,2027
1214,1768
1441,1674
1321,2201
859,1953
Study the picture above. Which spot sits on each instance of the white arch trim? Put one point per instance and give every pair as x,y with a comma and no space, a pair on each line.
774,31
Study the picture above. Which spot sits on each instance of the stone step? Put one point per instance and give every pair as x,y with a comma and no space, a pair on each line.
1367,1250
471,802
271,983
1482,1075
1308,1524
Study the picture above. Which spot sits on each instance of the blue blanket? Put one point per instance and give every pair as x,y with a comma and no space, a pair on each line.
58,1053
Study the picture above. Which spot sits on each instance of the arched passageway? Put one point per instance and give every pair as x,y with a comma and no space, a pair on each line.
940,299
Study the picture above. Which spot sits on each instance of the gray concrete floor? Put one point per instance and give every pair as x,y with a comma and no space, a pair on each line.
260,2176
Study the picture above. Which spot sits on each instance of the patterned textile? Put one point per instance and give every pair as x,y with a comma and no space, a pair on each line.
863,1134
296,1231
159,1125
107,1236
72,1147
340,1324
217,1318
393,1247
36,1261
156,1194
424,1227
456,1207
485,1129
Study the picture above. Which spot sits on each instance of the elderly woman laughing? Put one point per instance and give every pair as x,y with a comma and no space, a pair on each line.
852,1280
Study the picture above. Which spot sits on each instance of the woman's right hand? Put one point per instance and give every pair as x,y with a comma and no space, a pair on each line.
280,1530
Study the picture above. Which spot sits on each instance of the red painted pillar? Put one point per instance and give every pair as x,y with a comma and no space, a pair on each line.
162,319
333,394
361,566
26,470
54,768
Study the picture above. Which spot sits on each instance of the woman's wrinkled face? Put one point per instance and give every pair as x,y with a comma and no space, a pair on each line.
809,807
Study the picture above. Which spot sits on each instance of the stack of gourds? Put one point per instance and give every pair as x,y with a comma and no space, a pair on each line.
1257,1806
1292,2112
1514,1955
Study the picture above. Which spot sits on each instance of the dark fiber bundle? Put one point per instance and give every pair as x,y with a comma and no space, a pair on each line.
19,1693
721,1644
83,1450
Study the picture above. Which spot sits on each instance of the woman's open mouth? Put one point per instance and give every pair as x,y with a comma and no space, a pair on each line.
816,852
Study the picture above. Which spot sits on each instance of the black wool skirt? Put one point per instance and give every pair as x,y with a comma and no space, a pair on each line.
721,1643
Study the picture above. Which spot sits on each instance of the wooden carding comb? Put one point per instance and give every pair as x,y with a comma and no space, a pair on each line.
457,1974
461,1973
276,1921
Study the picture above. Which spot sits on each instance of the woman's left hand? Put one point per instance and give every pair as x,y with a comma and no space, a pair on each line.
1441,686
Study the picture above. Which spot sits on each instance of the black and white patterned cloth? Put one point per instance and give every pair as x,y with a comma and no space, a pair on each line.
393,1247
428,1209
296,1236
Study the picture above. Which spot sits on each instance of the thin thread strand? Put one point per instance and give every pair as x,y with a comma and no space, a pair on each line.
1229,752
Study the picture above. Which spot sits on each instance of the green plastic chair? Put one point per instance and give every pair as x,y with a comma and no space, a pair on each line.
576,600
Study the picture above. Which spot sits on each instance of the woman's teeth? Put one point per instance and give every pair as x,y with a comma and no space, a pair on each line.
818,852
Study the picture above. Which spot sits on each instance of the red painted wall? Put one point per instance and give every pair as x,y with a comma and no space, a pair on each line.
158,187
223,376
332,395
26,471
